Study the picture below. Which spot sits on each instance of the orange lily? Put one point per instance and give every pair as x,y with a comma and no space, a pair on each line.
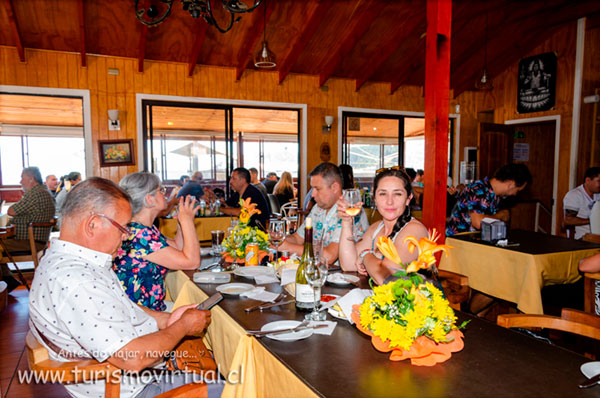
387,248
248,209
427,248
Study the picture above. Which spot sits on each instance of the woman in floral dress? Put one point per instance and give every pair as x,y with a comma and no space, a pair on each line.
146,255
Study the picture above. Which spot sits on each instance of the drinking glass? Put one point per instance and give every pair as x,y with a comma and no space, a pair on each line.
276,234
352,198
216,240
316,274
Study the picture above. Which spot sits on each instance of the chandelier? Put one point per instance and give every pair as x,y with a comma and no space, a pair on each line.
159,10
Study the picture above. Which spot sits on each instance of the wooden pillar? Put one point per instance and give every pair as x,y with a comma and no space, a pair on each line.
437,96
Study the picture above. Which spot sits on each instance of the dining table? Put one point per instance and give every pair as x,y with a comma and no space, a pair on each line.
518,271
204,224
494,362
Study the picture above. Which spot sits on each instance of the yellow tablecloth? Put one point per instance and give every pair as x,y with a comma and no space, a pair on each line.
510,275
263,374
204,225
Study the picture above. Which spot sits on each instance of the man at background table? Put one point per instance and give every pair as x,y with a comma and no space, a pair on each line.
579,201
256,182
240,183
193,187
52,184
481,199
36,205
270,181
326,183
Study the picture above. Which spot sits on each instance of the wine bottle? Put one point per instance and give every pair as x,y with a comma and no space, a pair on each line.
305,297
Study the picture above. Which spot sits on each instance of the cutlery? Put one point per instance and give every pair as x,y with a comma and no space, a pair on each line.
264,307
209,266
300,325
255,307
591,382
290,330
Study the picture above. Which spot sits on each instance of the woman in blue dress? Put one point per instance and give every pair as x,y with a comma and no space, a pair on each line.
147,254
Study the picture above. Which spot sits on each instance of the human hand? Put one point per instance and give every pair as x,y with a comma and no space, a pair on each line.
187,208
175,315
360,267
196,321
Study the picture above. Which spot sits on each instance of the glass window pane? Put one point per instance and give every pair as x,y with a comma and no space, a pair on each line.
414,152
280,157
390,155
251,154
12,161
364,159
71,150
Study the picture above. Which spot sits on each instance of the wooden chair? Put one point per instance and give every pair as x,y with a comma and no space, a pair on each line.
571,321
589,291
456,288
591,238
32,254
40,362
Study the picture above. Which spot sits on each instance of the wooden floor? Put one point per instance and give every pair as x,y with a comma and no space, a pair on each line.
13,329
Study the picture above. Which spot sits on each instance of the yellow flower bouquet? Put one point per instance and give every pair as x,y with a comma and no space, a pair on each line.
235,244
410,317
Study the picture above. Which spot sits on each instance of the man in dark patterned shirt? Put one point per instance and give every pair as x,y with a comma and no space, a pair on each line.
481,198
36,205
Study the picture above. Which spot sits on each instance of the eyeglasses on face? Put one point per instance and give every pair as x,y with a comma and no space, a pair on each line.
121,228
160,189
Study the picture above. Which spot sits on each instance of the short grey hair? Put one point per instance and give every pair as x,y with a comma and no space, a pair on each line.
34,172
138,185
94,194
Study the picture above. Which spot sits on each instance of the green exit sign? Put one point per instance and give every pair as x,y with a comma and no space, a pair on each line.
519,134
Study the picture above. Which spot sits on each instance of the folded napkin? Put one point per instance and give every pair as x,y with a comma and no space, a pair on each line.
211,277
264,279
259,293
288,276
354,296
326,331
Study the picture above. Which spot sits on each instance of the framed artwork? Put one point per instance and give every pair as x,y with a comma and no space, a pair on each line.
116,153
537,83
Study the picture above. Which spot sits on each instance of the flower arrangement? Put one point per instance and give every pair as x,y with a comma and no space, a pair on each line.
410,317
243,234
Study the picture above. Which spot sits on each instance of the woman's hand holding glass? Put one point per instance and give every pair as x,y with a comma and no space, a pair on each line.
187,208
349,206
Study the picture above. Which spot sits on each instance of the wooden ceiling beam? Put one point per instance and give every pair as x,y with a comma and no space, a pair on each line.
387,47
14,27
195,54
142,48
303,38
250,40
81,12
369,10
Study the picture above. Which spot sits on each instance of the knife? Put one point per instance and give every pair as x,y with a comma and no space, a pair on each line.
263,303
264,307
591,382
288,330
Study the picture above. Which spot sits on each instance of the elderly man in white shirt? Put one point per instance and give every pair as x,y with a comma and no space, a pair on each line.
579,201
78,308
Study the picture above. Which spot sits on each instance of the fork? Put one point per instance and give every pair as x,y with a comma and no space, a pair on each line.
254,307
290,330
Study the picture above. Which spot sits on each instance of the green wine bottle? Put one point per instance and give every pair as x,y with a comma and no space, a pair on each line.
305,297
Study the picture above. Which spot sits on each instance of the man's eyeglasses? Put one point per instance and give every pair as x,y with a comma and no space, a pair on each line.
121,228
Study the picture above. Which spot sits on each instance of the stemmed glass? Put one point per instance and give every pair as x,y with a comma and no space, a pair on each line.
276,234
352,198
316,274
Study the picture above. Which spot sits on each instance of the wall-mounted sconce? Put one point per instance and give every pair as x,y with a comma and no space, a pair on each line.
113,122
328,123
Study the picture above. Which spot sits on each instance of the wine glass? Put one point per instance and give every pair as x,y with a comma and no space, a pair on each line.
316,274
352,198
276,234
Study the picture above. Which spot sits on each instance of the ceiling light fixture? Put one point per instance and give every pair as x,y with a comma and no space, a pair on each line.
484,83
265,57
158,11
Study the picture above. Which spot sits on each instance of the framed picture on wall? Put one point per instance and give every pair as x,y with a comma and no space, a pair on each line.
116,153
537,83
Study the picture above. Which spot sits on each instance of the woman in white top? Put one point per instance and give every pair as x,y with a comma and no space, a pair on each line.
393,193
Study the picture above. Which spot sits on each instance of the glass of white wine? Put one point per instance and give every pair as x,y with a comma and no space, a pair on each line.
316,274
352,198
276,234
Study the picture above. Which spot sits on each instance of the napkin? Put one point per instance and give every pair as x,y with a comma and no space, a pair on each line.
288,276
326,331
259,293
211,277
264,279
354,296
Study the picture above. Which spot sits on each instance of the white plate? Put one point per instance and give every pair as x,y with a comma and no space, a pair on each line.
336,314
342,279
337,297
252,271
211,277
234,289
292,336
590,369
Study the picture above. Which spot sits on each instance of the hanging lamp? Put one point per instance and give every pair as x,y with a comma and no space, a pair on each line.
265,58
484,83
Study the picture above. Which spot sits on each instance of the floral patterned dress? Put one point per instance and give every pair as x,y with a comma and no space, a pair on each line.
478,197
142,280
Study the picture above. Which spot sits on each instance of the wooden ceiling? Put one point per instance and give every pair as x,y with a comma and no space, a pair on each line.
362,40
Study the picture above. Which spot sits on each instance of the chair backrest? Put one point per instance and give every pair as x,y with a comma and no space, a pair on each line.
30,227
595,219
456,288
585,324
591,238
589,291
273,203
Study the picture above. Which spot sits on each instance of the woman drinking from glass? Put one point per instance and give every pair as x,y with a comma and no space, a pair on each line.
392,189
147,254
